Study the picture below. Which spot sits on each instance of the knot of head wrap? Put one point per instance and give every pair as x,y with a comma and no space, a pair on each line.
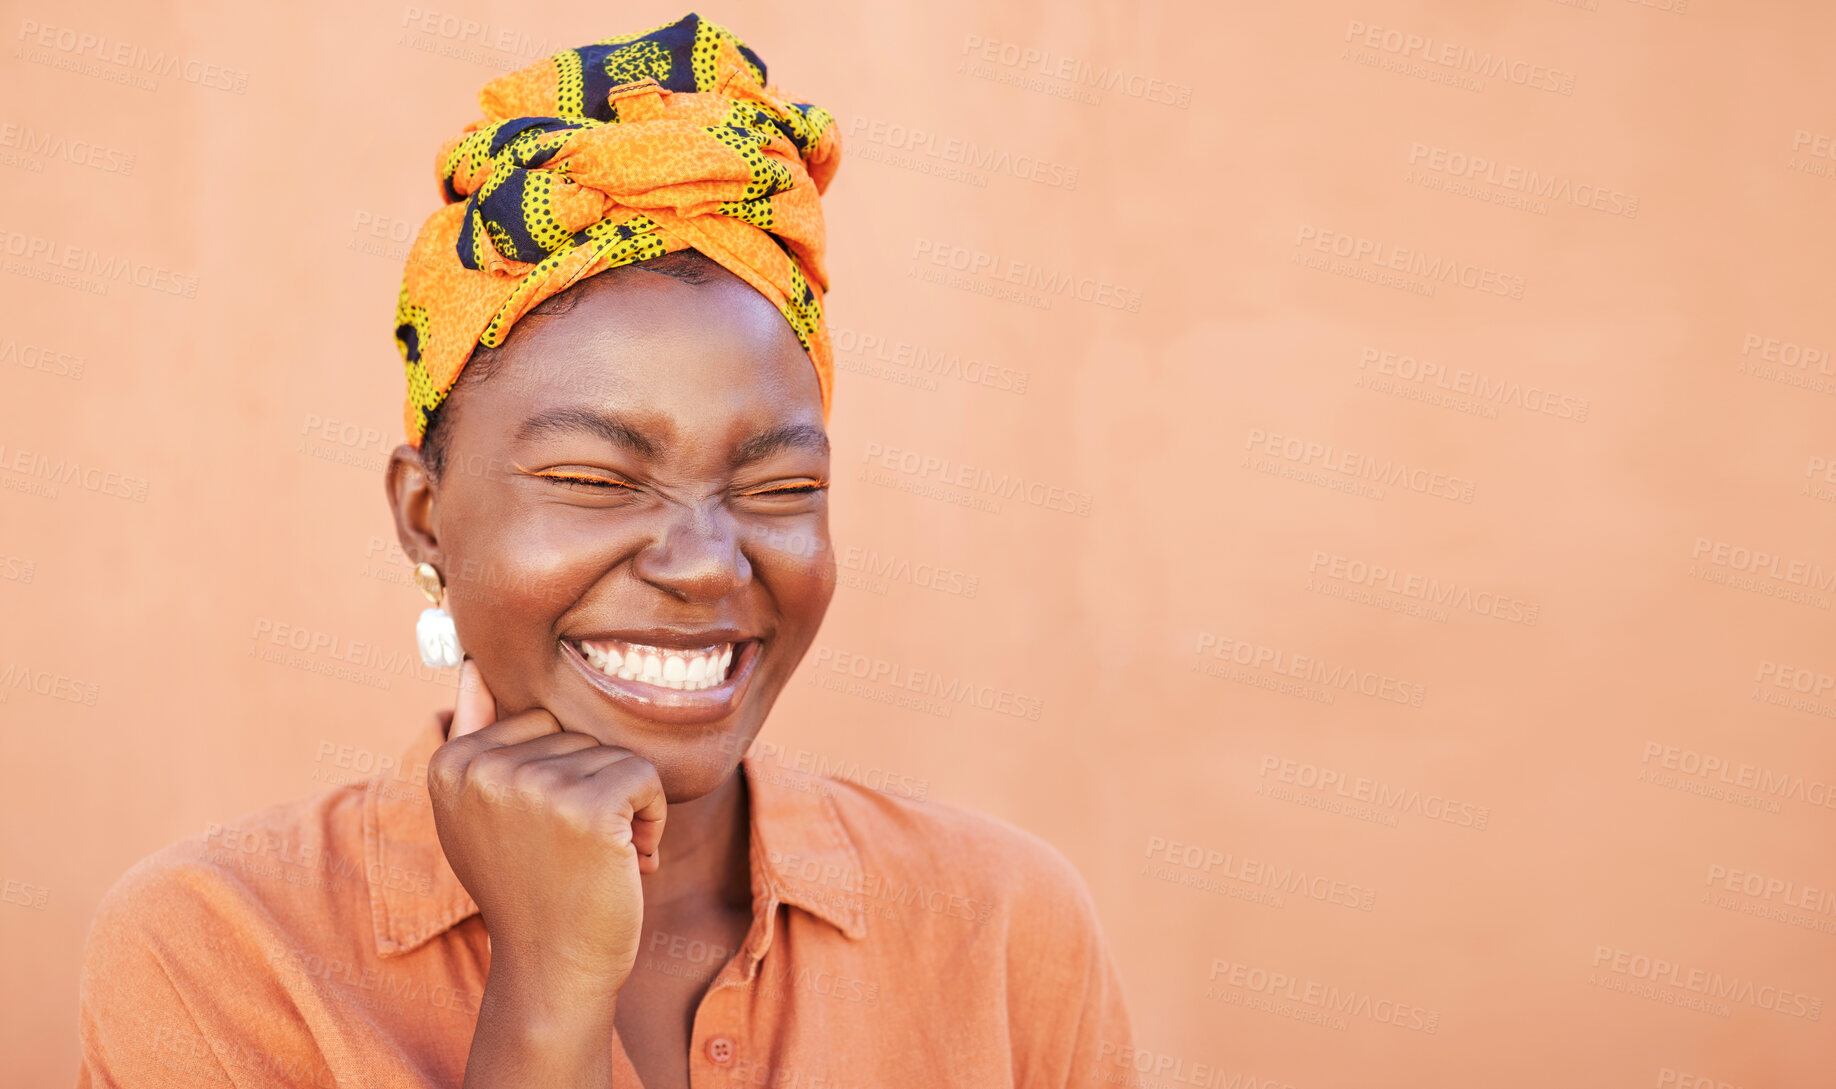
616,152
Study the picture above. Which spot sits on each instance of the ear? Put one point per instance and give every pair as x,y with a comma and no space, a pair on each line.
411,491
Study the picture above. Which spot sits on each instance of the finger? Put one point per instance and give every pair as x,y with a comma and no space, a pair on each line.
514,729
647,838
476,708
635,783
564,768
451,759
544,747
589,761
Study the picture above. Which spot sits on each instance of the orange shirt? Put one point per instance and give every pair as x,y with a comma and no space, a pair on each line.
328,943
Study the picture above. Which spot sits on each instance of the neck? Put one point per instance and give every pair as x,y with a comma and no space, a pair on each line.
706,857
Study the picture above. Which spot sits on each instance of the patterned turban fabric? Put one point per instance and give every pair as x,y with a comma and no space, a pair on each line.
615,152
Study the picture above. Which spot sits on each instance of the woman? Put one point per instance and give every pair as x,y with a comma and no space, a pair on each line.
615,492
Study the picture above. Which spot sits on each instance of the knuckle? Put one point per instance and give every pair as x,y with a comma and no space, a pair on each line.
487,770
577,816
528,785
637,772
535,773
445,774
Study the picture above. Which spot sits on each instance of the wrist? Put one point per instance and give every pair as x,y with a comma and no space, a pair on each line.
526,1033
527,1040
546,988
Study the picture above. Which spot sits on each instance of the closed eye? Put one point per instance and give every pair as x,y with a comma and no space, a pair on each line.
597,483
790,489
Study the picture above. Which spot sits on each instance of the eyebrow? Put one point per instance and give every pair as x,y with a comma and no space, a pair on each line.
574,421
766,443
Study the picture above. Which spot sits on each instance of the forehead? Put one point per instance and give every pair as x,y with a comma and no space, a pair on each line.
712,360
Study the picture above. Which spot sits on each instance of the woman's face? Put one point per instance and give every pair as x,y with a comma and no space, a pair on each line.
632,519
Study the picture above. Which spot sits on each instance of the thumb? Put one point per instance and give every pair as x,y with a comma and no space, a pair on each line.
476,708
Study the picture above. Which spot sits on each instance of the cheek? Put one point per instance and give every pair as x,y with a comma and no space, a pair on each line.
798,567
521,569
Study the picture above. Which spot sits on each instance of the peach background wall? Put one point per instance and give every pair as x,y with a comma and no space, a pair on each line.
1428,594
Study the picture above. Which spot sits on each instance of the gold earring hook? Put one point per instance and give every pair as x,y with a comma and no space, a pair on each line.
428,579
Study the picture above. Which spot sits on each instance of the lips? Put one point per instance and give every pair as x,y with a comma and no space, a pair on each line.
669,677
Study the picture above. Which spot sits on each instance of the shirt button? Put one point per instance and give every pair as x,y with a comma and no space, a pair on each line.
720,1050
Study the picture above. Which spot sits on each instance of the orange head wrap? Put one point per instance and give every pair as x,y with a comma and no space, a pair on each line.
616,152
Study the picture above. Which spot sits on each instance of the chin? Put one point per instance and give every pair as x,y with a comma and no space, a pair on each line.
691,768
692,760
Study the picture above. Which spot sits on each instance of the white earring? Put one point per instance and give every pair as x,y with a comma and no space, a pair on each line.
435,632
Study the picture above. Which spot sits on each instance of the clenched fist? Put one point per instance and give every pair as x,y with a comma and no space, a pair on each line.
548,831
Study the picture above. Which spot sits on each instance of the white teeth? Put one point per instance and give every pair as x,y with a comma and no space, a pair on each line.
665,667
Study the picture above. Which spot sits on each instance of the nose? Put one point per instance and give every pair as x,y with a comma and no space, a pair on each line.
695,555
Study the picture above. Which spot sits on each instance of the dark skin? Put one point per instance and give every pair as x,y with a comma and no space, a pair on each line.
676,492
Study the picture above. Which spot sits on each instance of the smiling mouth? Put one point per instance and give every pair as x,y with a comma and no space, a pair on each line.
677,668
678,685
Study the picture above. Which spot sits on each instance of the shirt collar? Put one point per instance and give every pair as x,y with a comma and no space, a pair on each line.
802,854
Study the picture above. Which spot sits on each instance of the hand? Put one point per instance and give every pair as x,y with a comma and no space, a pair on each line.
548,831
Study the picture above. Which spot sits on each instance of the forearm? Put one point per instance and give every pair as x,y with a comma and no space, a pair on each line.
535,1032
